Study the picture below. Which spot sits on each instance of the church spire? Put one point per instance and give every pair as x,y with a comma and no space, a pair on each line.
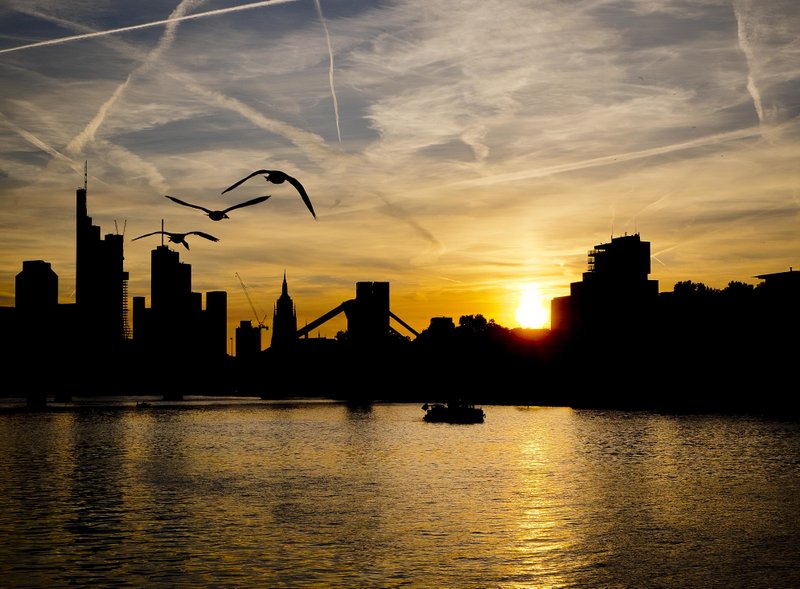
284,318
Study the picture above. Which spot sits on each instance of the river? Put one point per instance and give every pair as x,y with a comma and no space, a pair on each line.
237,492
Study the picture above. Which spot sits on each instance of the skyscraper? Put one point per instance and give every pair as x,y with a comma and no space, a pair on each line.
100,281
284,319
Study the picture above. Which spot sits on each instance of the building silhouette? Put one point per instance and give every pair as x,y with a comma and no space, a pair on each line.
780,293
96,345
176,328
36,311
101,283
284,318
248,340
615,341
615,295
92,330
36,289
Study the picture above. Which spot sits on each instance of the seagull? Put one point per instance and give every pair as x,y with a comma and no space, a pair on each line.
278,177
179,237
223,214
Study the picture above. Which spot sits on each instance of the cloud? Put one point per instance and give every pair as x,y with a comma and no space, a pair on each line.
79,141
611,159
313,145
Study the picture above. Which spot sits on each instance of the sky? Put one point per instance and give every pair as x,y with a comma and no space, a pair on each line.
471,154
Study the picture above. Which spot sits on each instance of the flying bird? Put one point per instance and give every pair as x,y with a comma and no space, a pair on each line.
179,237
223,214
278,177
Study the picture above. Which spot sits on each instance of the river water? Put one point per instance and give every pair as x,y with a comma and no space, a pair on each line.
250,493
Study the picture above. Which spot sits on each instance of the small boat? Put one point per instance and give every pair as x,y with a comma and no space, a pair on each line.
143,404
457,411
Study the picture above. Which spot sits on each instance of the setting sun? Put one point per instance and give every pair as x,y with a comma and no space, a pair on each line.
532,312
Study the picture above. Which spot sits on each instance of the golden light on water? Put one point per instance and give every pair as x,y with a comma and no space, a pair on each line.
532,310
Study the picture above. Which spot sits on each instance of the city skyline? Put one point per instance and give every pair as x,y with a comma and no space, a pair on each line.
460,157
101,283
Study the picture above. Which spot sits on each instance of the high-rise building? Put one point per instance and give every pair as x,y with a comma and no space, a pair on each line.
176,322
214,324
284,319
615,296
101,283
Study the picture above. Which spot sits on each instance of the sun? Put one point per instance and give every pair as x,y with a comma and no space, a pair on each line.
532,312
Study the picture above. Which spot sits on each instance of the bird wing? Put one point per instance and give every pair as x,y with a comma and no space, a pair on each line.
206,235
147,235
245,179
186,204
248,203
296,183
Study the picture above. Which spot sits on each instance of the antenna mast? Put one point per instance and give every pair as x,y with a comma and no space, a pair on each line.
85,174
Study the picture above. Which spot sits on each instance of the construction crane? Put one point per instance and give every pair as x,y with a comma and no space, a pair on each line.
260,322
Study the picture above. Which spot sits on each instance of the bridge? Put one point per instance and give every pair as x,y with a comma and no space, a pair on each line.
367,315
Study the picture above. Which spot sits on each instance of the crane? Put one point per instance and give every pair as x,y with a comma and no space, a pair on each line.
247,294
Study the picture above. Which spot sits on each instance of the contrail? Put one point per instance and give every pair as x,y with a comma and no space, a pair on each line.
146,25
398,213
155,178
135,164
36,142
744,45
81,139
330,68
311,144
611,159
88,133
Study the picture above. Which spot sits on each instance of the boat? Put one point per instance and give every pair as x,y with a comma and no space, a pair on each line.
143,404
457,411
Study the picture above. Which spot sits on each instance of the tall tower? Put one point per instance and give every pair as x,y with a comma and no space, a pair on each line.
167,323
176,324
284,319
100,280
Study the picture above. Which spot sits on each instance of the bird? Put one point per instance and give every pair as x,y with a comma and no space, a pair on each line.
278,177
179,237
223,214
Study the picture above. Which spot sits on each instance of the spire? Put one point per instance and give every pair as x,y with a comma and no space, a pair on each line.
284,318
85,174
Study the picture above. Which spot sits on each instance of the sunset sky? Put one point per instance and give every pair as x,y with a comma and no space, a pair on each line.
466,152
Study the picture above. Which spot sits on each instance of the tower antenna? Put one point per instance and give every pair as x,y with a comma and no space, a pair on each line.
85,174
162,232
